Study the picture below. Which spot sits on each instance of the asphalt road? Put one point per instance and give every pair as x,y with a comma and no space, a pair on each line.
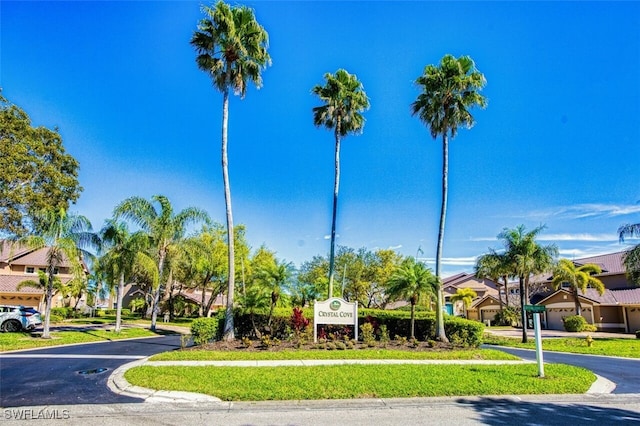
72,374
48,382
624,372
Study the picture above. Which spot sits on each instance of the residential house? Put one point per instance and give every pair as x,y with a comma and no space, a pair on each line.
617,310
486,290
19,264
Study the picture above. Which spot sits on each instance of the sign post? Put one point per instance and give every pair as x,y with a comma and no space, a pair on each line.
335,311
537,310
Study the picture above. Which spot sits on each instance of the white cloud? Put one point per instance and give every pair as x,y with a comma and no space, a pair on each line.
399,246
578,237
581,211
453,261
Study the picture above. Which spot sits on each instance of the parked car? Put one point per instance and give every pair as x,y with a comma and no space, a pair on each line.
18,318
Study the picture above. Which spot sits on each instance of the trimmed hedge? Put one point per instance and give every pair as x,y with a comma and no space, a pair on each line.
204,330
576,323
459,330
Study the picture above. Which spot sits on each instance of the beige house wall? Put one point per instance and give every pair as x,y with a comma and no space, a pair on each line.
633,318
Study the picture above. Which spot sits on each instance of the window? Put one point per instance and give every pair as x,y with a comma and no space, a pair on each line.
30,270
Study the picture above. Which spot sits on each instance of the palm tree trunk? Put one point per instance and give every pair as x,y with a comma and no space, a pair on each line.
228,333
413,320
523,313
577,301
156,293
336,186
506,290
440,333
119,292
47,309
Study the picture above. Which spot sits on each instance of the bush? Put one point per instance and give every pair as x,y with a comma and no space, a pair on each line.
637,334
463,332
576,323
204,330
507,316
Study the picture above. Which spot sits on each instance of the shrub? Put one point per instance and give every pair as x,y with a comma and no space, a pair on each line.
298,321
507,316
204,330
368,337
637,334
54,318
464,332
577,323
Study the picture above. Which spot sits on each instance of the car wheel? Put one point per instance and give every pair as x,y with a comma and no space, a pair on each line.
11,326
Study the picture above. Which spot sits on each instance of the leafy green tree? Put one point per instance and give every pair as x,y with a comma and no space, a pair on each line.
632,256
65,237
232,49
120,253
449,90
275,276
37,173
579,278
412,282
163,227
344,101
315,273
526,257
495,266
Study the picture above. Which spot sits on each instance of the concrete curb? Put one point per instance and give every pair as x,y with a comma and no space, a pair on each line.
119,385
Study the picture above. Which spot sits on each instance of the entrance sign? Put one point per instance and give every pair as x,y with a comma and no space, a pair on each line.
335,311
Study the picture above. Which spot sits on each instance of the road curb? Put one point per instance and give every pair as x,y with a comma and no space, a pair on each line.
119,385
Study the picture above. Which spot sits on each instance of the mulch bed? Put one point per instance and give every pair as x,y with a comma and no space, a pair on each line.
258,346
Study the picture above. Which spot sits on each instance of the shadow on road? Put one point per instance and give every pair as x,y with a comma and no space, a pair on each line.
509,412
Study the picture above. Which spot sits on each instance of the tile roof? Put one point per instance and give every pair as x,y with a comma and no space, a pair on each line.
9,284
612,263
609,297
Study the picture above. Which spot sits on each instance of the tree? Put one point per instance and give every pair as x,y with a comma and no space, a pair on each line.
37,173
232,50
464,295
412,281
494,266
344,101
163,228
632,256
526,257
275,276
579,278
65,237
448,92
121,251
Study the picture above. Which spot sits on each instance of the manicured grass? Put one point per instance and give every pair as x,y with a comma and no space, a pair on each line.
15,341
362,381
629,348
240,355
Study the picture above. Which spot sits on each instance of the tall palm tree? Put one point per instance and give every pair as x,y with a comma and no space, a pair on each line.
632,256
449,90
121,251
578,278
232,49
344,101
412,281
494,266
163,228
65,237
526,258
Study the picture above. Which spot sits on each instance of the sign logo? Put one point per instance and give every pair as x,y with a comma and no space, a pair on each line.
335,305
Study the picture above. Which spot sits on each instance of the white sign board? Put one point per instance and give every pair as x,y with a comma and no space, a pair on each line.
335,311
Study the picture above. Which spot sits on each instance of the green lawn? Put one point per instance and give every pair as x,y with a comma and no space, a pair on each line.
362,381
15,341
205,355
629,348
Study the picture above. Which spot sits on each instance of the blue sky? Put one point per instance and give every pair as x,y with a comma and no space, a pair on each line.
558,143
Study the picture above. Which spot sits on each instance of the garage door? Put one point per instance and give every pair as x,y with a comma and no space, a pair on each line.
633,318
554,319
